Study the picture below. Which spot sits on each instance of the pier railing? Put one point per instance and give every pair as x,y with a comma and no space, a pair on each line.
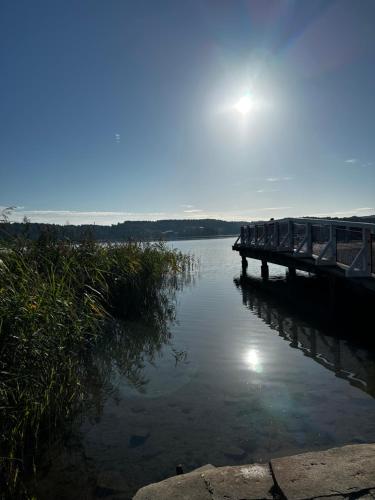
350,245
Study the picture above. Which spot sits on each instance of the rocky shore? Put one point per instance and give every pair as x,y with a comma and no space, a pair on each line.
338,473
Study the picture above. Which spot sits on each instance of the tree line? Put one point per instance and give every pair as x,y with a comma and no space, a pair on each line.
138,230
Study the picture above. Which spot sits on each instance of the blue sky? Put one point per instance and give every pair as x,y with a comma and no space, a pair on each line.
115,109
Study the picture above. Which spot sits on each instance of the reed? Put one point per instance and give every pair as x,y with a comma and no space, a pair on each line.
56,300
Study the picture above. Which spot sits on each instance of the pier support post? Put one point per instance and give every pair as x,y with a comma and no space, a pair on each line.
332,293
264,270
244,263
291,272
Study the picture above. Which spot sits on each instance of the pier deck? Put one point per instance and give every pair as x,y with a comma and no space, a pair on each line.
342,250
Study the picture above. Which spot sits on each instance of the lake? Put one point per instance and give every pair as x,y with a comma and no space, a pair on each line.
242,373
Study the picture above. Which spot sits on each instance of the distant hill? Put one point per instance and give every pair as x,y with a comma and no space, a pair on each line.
169,229
370,219
139,230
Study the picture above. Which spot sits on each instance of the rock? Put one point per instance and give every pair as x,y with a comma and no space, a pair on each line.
335,474
235,453
179,469
250,482
338,471
240,482
139,438
182,487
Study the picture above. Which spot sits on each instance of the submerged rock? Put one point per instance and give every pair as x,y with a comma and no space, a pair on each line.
138,438
235,453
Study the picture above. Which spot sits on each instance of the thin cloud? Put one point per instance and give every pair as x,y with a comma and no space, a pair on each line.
356,161
271,208
278,179
75,212
354,211
83,217
77,217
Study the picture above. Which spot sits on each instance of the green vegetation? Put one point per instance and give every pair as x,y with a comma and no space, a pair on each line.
58,301
139,230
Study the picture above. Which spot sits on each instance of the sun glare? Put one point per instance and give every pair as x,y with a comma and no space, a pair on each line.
244,105
253,360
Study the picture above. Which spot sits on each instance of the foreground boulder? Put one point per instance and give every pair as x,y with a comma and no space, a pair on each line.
248,482
346,471
336,474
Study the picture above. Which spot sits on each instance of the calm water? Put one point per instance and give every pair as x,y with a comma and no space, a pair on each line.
242,378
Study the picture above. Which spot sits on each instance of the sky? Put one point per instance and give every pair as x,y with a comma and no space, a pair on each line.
115,110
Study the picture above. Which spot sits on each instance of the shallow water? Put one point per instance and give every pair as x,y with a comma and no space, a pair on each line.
244,376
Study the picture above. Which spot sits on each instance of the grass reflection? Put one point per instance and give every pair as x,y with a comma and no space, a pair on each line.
62,335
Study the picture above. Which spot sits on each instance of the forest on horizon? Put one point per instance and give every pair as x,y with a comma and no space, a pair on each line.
168,229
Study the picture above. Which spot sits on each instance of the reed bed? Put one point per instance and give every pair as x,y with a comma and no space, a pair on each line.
56,300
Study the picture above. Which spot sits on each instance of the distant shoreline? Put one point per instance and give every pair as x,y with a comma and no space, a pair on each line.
181,238
163,230
213,237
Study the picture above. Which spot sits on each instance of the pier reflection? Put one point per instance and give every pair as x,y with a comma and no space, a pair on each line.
316,332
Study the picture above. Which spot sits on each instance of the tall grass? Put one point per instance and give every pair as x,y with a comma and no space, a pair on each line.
55,301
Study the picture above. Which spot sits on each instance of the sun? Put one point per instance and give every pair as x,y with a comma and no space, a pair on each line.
244,105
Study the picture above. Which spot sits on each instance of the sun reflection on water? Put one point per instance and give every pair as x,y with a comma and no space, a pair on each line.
253,360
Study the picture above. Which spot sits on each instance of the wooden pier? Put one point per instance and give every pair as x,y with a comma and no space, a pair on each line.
339,250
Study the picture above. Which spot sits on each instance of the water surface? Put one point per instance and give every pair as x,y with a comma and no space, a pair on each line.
240,376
